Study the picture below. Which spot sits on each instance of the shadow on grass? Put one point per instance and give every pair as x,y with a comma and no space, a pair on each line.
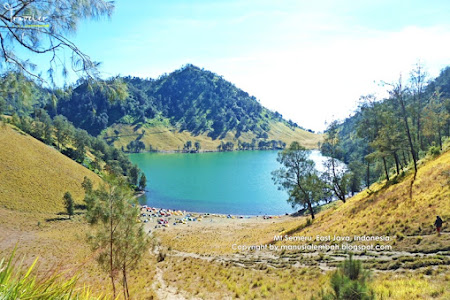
57,219
63,216
81,206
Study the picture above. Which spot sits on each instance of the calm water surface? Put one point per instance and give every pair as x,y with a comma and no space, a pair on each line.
219,182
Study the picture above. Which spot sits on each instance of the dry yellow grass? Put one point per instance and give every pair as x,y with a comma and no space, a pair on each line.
387,211
218,237
212,280
61,244
168,138
34,176
416,285
390,210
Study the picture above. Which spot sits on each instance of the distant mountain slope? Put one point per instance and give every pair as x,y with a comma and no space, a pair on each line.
34,176
169,138
190,103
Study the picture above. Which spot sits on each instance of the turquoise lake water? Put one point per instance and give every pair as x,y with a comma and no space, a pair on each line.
219,182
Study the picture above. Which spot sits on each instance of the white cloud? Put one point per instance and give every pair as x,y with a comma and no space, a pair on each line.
316,82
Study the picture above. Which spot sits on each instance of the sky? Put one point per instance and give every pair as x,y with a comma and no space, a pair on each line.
308,60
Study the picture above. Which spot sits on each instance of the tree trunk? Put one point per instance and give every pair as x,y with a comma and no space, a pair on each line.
368,175
408,133
397,163
111,253
310,208
405,161
385,169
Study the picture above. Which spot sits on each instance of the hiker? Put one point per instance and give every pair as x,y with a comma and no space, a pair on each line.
438,224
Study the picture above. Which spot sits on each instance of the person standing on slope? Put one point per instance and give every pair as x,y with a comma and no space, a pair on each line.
438,224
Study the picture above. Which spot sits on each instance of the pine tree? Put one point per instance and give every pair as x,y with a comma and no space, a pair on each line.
119,240
68,203
142,182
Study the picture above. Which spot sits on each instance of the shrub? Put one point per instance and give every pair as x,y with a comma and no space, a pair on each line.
15,284
434,151
349,282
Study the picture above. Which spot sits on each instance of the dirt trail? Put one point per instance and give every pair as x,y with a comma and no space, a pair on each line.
164,291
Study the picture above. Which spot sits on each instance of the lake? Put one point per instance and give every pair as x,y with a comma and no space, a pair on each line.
218,182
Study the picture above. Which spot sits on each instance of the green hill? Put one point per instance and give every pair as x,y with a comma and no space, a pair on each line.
188,104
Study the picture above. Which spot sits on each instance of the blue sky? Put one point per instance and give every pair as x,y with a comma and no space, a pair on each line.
309,60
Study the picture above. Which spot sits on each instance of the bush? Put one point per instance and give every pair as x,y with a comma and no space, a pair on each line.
434,151
349,282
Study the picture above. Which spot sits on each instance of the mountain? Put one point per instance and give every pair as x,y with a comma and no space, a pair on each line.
190,104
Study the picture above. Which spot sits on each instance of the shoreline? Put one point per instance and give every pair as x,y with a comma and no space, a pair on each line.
206,151
158,218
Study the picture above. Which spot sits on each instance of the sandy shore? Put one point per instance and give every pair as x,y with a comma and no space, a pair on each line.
165,219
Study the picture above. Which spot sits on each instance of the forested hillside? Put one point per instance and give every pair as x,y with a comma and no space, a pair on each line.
192,104
191,98
387,136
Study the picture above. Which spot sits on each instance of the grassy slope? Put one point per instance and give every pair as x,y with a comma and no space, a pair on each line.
389,210
34,176
33,179
167,138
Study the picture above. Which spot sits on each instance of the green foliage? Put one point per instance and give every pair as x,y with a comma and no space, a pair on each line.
187,146
191,98
119,241
17,93
2,106
228,146
142,182
299,178
336,175
68,204
349,282
134,174
87,185
64,17
434,151
197,146
16,284
388,135
135,146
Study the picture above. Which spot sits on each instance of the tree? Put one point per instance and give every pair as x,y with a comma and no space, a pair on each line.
81,141
63,130
134,175
118,240
298,177
142,182
187,146
87,185
197,146
418,78
68,203
2,106
136,146
398,94
335,174
51,21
